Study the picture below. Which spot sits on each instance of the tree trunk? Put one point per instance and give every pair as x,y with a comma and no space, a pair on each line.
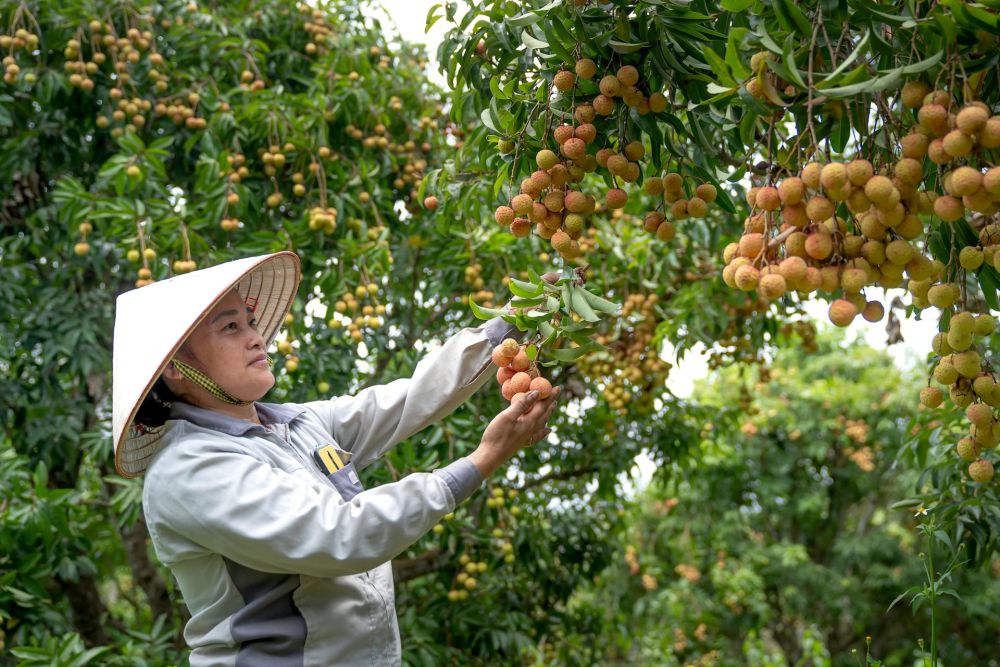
89,612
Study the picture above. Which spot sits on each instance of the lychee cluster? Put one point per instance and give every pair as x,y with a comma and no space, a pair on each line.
971,385
82,247
821,251
681,206
20,41
824,252
630,368
517,374
323,219
473,279
368,315
547,201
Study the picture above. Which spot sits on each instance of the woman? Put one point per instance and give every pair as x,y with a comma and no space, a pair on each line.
281,557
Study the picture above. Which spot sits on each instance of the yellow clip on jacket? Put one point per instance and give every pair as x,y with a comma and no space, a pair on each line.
281,564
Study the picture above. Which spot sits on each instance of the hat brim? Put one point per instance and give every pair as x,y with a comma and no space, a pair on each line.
269,287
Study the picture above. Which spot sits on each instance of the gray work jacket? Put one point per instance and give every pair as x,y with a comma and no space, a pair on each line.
280,564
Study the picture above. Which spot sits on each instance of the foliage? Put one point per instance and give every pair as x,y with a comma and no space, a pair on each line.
778,540
144,141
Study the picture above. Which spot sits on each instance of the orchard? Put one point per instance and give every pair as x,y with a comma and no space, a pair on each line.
624,181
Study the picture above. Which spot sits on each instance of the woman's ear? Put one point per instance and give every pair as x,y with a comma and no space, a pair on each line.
172,373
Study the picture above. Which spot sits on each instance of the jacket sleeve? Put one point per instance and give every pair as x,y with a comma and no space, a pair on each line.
377,418
210,496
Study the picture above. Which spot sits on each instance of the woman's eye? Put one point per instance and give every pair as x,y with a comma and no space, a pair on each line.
231,325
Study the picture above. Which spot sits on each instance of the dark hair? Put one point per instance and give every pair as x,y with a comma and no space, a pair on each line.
155,408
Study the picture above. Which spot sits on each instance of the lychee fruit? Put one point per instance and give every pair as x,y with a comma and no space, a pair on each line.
842,312
772,286
520,382
931,397
981,471
972,119
585,68
542,386
968,449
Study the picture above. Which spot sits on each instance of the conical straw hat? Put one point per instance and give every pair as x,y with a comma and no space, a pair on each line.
152,322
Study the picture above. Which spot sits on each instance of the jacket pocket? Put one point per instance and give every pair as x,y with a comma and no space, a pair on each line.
346,482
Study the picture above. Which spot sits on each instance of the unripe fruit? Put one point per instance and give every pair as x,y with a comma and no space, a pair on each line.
968,449
971,258
859,172
931,397
981,471
853,280
984,325
546,159
945,372
879,189
979,414
941,296
967,363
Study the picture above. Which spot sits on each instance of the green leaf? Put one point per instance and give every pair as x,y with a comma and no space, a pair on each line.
484,313
792,14
736,5
523,289
626,47
523,20
719,66
989,283
789,60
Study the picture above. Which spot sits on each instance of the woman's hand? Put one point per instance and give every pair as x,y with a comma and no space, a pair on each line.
517,427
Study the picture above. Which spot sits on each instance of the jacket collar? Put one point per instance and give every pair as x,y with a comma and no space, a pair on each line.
269,413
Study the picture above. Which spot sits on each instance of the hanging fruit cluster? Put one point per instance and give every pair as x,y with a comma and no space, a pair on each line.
841,227
516,372
552,200
630,371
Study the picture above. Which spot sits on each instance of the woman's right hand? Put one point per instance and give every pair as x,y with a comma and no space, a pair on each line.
519,426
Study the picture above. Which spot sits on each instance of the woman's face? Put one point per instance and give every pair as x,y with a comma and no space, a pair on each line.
226,347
